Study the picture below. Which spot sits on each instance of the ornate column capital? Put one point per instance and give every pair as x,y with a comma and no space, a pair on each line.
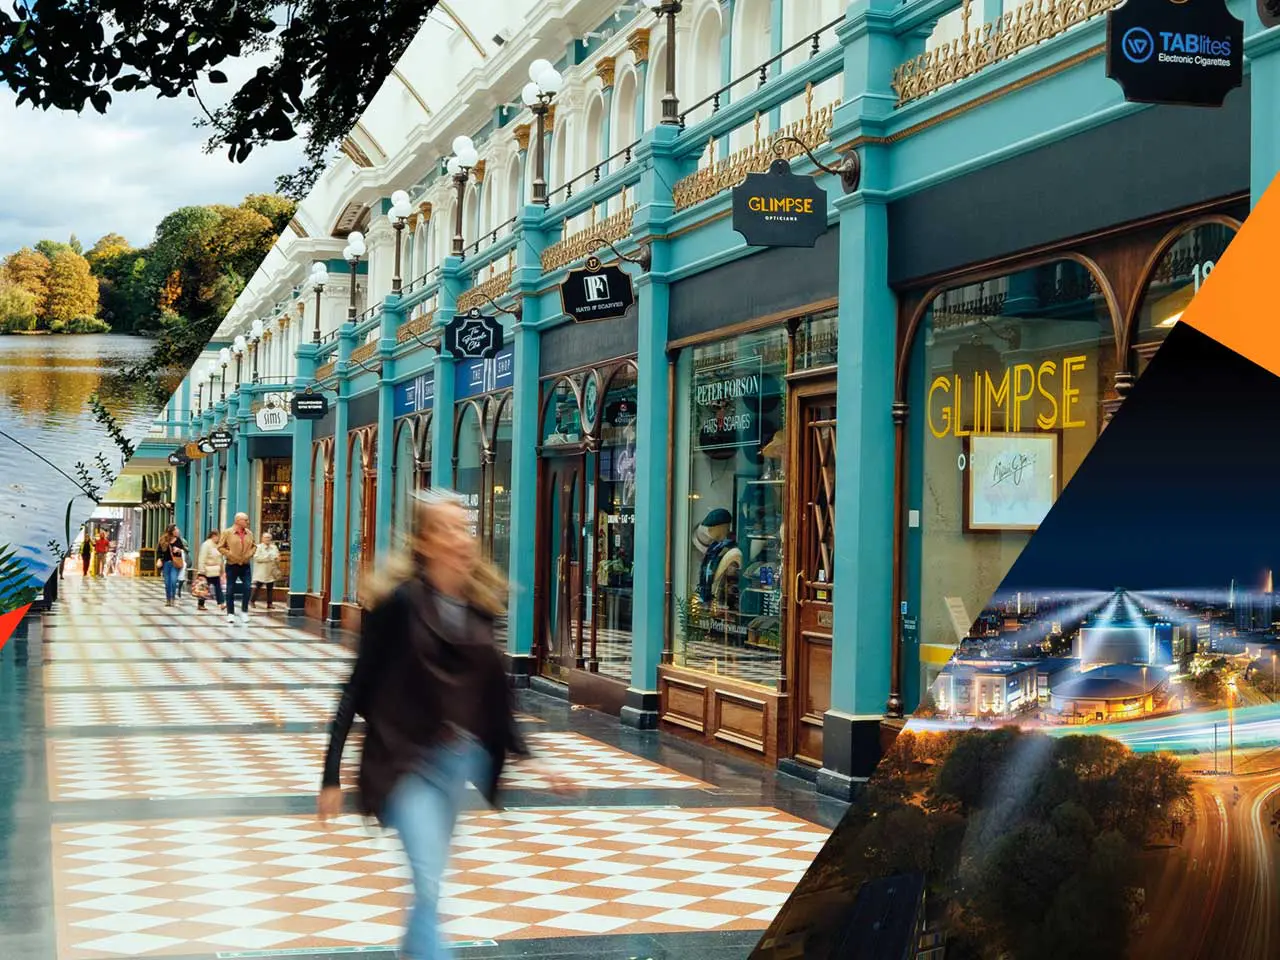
478,171
521,133
639,44
424,208
606,67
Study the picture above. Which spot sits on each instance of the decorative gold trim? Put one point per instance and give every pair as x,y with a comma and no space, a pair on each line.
425,209
639,44
325,371
352,151
575,246
522,133
297,228
411,222
813,130
606,69
1033,22
417,327
491,289
478,171
370,137
365,351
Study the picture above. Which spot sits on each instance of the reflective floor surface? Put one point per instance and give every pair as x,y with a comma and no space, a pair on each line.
158,771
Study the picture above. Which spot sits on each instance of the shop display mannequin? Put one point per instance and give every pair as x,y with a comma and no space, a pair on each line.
721,558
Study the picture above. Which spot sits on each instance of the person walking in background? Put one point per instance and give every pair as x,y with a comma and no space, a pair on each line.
266,569
86,554
171,554
237,547
100,547
431,684
210,566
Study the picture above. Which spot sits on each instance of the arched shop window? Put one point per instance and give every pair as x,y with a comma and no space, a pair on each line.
499,524
1006,387
361,500
1184,264
561,414
614,420
730,451
469,456
404,476
321,518
422,448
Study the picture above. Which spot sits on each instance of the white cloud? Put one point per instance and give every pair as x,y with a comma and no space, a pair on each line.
121,172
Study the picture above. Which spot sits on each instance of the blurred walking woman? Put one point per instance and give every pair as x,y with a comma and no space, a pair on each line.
431,684
171,555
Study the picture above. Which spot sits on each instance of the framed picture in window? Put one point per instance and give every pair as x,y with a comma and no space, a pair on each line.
1011,480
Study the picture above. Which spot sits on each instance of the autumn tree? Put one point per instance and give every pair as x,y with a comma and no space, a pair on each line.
18,308
29,269
73,289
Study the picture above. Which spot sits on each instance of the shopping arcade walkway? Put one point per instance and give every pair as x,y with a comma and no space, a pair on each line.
158,785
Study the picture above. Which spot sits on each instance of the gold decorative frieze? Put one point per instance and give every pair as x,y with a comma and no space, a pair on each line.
419,326
575,246
639,44
605,70
1033,22
813,129
324,371
490,289
364,352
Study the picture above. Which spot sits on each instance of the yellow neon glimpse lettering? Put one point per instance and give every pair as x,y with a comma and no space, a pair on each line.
1053,401
1018,395
943,384
1070,396
996,399
1048,368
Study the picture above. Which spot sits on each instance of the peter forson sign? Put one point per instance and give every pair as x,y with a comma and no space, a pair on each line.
1175,52
779,208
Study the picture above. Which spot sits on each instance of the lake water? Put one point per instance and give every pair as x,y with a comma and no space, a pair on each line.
45,386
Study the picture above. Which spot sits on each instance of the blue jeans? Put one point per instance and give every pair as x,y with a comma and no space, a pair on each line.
237,584
423,809
171,577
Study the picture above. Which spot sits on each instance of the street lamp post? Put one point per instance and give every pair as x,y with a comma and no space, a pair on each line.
355,249
238,346
669,9
255,338
400,211
544,83
224,358
319,277
459,167
211,371
199,397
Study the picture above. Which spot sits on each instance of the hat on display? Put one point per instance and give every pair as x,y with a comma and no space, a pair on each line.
702,539
719,517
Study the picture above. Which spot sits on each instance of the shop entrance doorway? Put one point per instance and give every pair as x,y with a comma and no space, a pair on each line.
809,610
563,546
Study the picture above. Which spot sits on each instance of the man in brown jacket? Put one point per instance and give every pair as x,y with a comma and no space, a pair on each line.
237,545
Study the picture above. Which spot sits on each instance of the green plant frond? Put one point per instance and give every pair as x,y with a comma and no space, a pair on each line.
17,587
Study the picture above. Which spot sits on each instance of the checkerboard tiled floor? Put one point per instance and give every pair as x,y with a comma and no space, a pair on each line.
277,764
126,886
186,887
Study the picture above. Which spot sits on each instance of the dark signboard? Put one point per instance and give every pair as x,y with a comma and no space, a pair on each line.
1175,52
221,440
309,406
485,376
207,447
473,336
597,292
779,208
179,458
416,395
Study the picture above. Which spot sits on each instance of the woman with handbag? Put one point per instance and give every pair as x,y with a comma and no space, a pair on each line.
171,555
211,566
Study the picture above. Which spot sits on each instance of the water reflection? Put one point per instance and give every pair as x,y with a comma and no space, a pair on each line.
45,386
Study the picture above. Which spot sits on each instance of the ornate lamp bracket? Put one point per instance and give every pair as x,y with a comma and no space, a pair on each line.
643,258
849,171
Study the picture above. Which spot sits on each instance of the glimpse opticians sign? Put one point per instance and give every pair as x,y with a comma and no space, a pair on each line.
1175,51
1022,398
779,208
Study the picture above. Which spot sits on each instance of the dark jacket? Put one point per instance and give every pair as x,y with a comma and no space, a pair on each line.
399,686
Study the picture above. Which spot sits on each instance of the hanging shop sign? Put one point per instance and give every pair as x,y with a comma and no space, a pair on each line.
597,292
416,395
309,406
207,447
473,336
727,405
272,418
193,451
1175,52
779,208
179,458
221,440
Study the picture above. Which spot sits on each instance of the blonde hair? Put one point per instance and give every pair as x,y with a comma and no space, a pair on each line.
486,588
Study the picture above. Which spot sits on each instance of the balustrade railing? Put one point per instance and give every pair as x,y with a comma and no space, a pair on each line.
593,174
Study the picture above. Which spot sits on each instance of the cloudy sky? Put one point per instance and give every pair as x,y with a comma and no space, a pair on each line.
91,174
